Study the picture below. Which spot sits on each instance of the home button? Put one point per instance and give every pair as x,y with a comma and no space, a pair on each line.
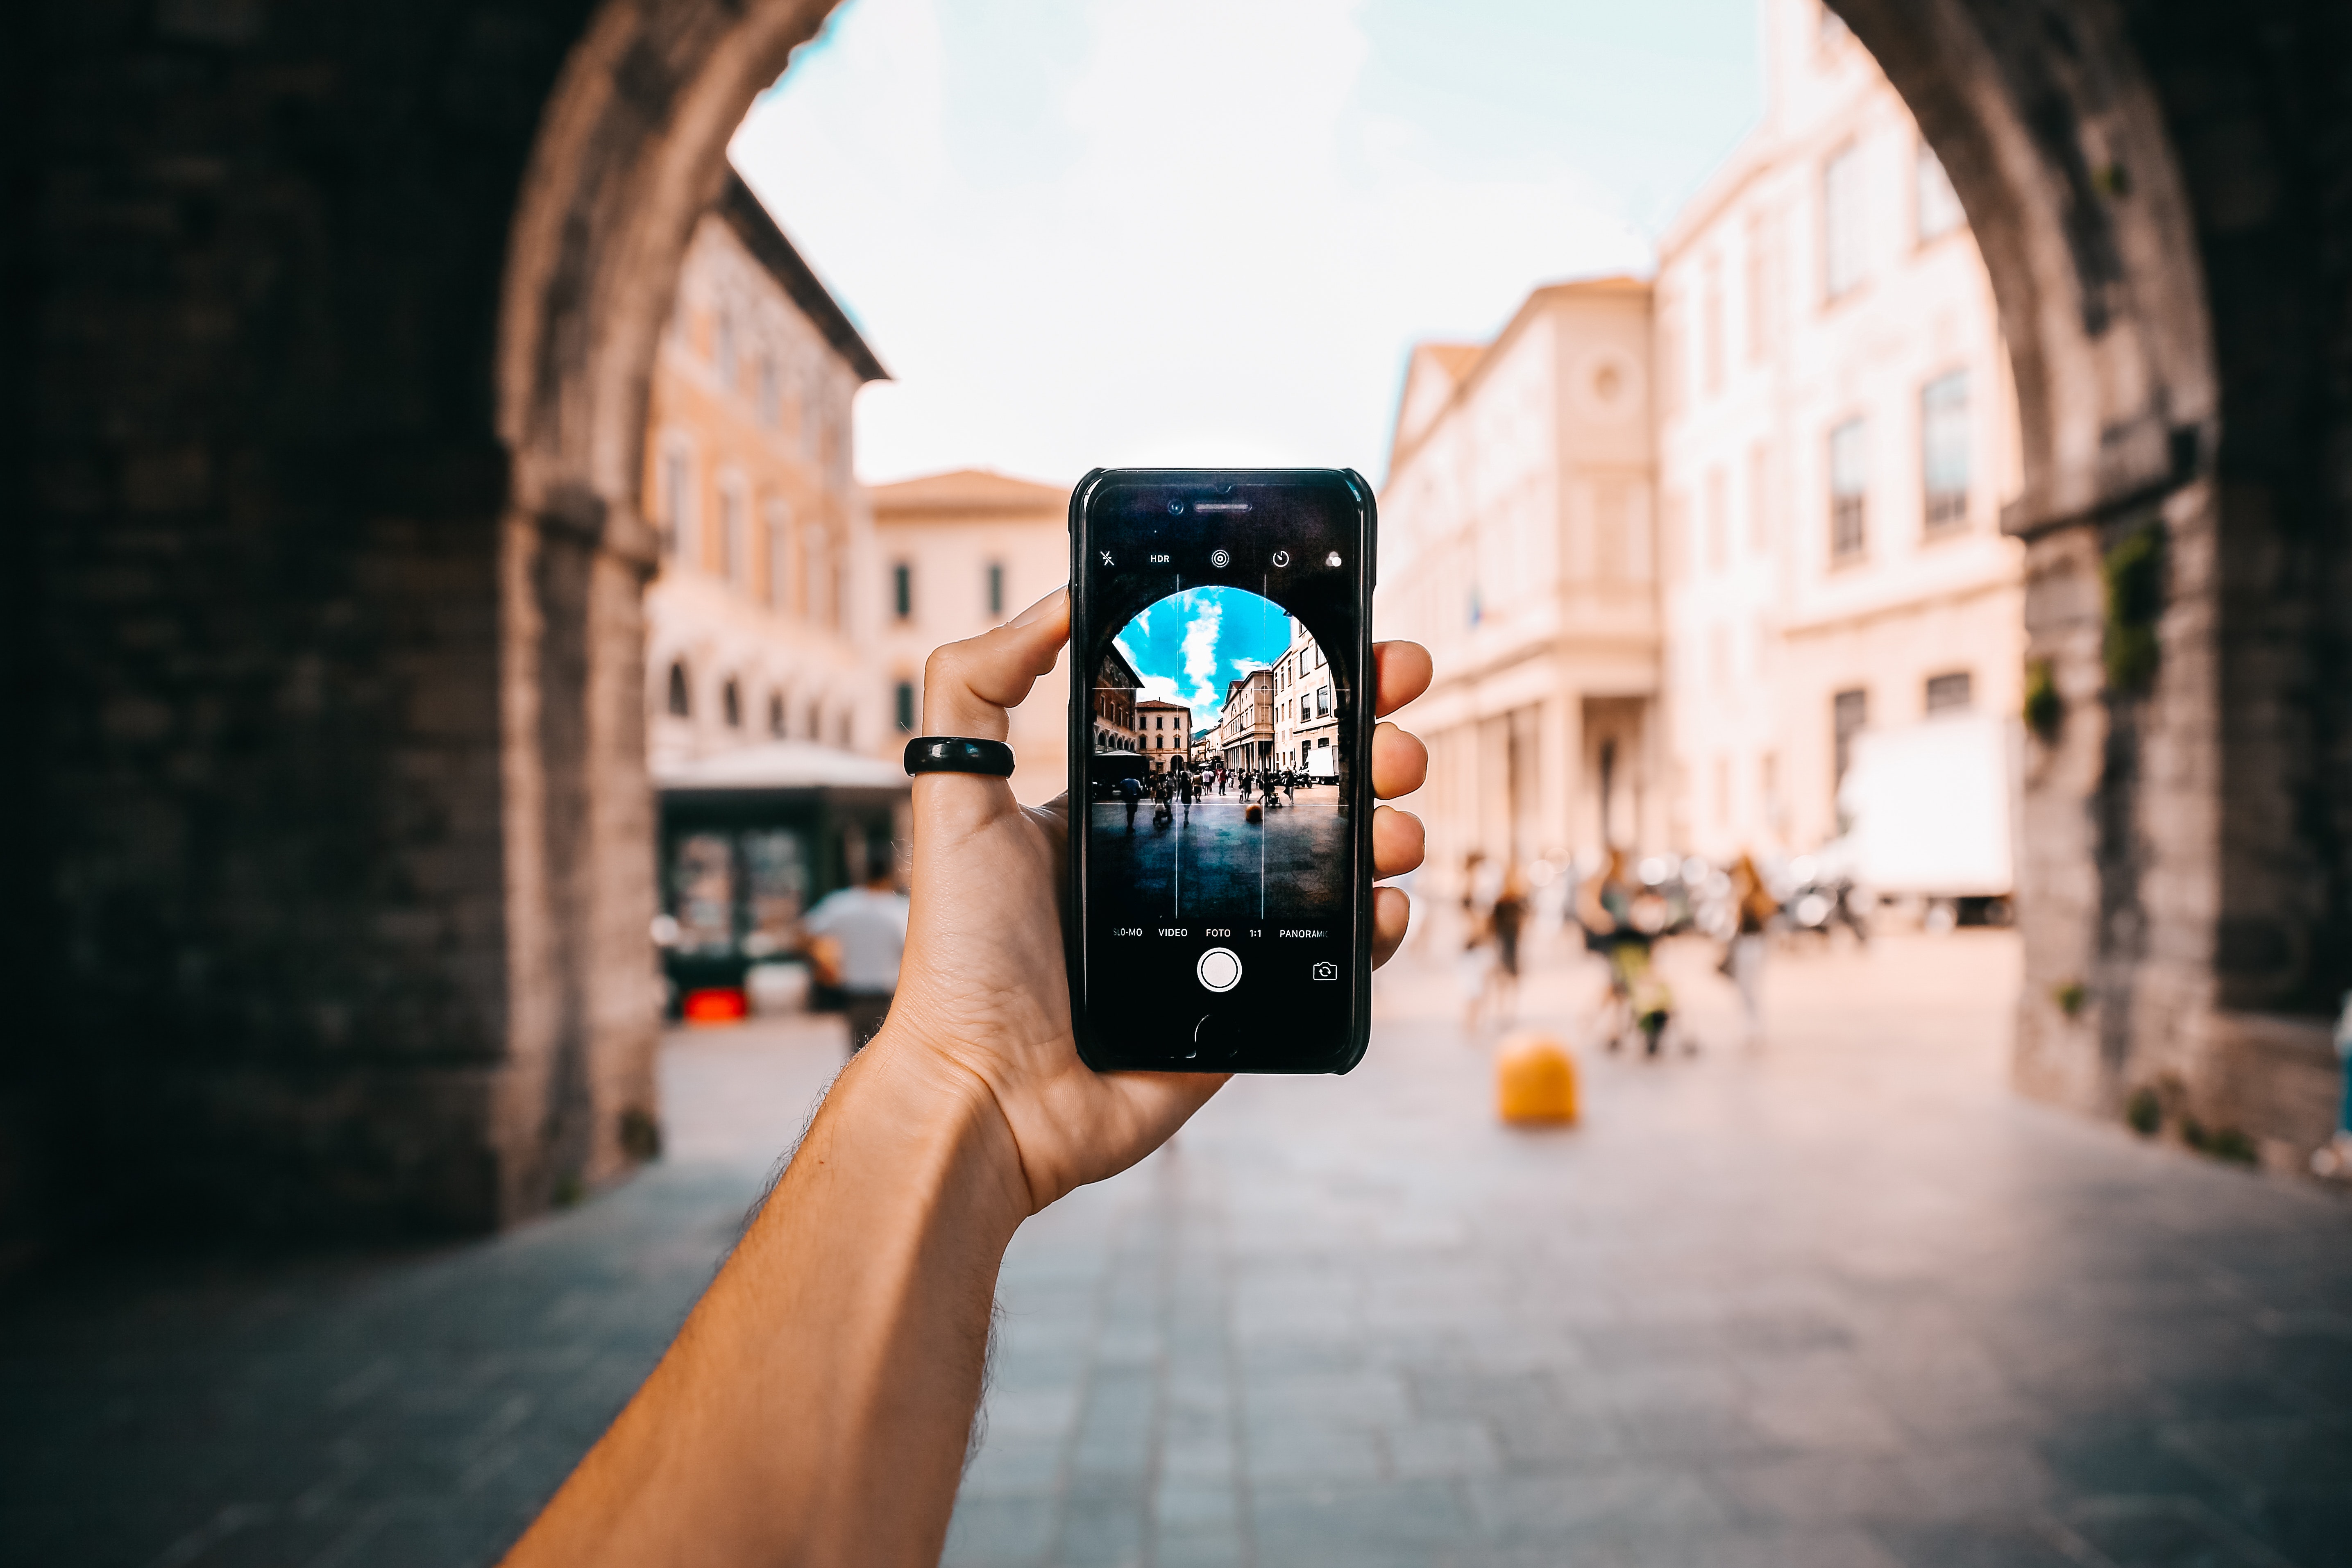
1220,969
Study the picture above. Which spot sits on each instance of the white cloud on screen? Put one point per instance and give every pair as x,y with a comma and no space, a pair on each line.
1201,653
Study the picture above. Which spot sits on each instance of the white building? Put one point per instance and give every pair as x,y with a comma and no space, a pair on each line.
1517,543
1306,711
960,553
1836,436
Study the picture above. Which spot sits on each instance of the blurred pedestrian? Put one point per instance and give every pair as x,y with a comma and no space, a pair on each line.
1507,919
1477,940
1131,792
1610,906
1753,910
859,934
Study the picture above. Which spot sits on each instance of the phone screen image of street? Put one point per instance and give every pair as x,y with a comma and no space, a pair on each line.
1218,761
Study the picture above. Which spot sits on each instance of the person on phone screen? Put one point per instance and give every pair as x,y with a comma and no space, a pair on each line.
859,934
818,1404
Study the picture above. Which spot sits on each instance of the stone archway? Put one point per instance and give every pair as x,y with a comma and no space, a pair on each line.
331,327
2144,180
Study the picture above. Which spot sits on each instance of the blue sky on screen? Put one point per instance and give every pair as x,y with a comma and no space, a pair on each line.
1187,645
1126,232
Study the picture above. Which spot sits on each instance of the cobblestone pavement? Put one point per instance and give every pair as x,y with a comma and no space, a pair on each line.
1839,1300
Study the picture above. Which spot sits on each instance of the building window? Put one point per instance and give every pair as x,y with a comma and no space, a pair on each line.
731,704
776,714
1760,287
1936,207
1711,328
1670,369
1943,451
1842,223
1718,520
726,350
907,707
1950,693
677,504
902,590
1322,700
772,392
731,555
1759,497
1849,712
996,587
780,551
1849,489
841,730
681,694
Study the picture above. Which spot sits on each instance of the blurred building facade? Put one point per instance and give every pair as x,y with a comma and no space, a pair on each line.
755,626
960,552
1837,433
1517,543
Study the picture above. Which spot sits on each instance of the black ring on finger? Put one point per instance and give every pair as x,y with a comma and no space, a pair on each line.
959,754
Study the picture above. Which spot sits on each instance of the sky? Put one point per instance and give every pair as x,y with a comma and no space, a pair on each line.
1188,645
1085,232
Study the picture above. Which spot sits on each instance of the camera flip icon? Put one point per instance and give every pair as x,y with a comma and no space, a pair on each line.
1326,970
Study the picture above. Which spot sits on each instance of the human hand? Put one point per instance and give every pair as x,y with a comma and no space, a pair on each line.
983,998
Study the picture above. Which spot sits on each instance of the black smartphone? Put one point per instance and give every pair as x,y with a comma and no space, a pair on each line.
1220,796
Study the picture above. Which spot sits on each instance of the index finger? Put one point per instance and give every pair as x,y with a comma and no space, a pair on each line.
1402,673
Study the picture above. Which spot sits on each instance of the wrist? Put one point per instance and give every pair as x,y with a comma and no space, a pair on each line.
952,1114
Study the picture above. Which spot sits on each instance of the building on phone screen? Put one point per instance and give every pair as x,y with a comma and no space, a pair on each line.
1306,716
1116,684
1163,734
1244,737
959,553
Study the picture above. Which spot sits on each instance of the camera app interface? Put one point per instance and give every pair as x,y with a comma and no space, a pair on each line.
1221,850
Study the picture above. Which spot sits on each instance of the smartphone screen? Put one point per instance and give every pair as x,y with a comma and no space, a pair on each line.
1219,788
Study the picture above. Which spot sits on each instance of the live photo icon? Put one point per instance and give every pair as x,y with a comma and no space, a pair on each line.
1327,970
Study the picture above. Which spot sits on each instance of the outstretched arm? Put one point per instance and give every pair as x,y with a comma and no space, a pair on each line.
815,1407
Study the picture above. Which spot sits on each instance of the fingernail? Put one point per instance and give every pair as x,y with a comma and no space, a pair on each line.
1041,606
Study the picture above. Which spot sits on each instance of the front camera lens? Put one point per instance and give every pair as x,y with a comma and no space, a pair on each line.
1175,508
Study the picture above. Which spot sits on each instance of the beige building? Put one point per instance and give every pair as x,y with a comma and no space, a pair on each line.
752,629
1245,733
960,553
1517,543
1836,436
1163,733
1306,710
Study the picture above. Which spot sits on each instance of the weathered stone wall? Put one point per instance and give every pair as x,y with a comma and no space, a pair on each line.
2163,194
330,908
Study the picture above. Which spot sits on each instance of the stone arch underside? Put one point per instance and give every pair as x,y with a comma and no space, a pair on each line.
2152,188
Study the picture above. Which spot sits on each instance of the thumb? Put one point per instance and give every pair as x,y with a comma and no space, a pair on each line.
968,685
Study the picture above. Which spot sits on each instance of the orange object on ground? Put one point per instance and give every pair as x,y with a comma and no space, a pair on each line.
1534,1079
716,1004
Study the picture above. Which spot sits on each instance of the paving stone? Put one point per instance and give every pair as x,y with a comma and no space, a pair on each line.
1845,1302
